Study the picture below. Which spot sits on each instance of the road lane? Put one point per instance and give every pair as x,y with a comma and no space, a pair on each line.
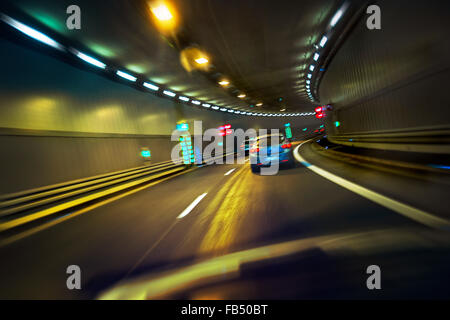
141,232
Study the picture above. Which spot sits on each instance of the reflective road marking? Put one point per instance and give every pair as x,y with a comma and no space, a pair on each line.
404,209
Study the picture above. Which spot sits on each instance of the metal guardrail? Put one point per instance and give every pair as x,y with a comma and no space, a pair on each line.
428,141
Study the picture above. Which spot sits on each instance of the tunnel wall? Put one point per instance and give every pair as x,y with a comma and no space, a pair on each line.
59,123
394,80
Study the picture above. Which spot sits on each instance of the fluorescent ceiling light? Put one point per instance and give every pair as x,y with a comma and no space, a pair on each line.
196,102
32,33
150,86
323,41
183,98
126,75
316,56
223,109
89,59
169,93
215,107
336,18
231,111
242,95
224,82
308,81
309,75
311,67
206,105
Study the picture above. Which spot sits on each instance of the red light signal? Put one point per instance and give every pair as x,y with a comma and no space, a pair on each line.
320,112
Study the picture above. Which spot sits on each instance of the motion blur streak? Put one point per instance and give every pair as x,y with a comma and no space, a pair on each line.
404,209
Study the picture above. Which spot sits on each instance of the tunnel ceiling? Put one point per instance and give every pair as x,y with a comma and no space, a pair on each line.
262,47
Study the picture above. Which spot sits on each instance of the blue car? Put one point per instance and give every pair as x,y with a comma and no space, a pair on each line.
271,148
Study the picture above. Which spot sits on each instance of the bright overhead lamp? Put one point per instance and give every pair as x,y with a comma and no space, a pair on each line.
308,81
196,102
89,59
231,111
30,32
309,75
336,18
282,110
183,98
126,76
311,67
223,109
150,86
201,60
162,12
242,96
224,83
259,104
323,41
206,105
215,107
237,112
169,93
316,56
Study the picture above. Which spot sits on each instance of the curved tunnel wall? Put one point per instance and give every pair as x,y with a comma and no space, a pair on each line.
395,79
59,123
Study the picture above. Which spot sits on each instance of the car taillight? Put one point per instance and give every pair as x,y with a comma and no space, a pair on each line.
254,150
286,146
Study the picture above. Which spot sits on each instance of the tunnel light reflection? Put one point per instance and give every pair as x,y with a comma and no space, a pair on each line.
32,33
126,76
150,86
323,41
89,59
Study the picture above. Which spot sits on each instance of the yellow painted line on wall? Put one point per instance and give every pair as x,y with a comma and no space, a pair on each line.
49,211
415,214
84,210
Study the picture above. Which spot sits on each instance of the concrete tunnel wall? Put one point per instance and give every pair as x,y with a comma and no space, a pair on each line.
395,79
59,123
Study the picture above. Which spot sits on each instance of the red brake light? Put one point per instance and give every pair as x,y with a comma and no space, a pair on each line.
286,146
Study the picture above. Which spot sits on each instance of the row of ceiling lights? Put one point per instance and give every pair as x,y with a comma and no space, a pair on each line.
166,17
323,41
41,37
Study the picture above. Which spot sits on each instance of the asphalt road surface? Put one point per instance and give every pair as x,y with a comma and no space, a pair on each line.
154,228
